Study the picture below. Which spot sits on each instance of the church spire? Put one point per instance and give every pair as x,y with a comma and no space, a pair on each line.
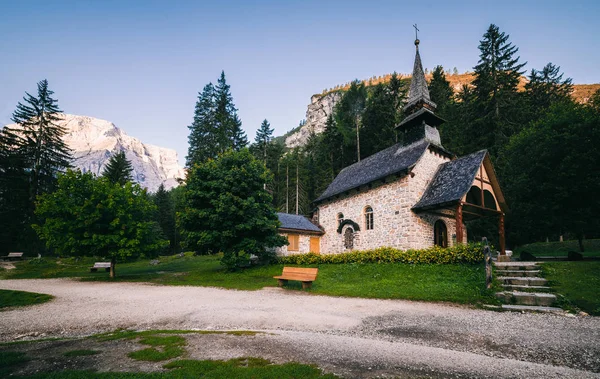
420,122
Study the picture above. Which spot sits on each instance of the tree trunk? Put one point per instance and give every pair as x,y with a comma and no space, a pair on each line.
358,138
297,189
287,189
113,263
580,240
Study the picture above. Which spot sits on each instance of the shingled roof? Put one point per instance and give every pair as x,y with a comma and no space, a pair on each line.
393,160
297,222
452,181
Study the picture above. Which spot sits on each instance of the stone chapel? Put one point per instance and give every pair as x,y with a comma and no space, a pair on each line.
412,195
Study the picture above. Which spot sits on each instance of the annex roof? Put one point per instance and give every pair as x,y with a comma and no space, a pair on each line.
393,160
453,180
297,222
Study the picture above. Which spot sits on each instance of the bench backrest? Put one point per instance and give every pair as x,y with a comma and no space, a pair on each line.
14,255
301,273
102,264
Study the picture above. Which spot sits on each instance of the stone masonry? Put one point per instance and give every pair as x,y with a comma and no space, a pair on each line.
395,224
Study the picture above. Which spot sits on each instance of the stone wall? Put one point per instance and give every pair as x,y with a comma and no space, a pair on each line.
395,224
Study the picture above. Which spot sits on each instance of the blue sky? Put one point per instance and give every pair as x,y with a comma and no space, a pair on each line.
140,64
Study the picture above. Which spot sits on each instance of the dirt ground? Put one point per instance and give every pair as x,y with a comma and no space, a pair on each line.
355,338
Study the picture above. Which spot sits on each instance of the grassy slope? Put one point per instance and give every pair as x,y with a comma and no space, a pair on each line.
579,282
455,283
559,249
10,298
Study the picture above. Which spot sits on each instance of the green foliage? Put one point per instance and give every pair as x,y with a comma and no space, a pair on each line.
228,210
546,88
88,216
216,126
165,215
462,253
81,353
440,91
551,175
348,114
170,347
9,298
560,249
264,135
118,169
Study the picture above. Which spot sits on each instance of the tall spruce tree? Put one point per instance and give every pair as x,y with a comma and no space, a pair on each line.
546,87
203,134
39,140
264,135
440,91
165,215
229,132
348,116
118,169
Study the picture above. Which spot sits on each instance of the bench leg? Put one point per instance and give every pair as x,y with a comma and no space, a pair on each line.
306,285
282,282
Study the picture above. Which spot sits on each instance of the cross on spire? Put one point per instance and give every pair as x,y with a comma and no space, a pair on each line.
416,32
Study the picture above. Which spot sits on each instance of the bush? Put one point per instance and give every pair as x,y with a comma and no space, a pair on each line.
471,253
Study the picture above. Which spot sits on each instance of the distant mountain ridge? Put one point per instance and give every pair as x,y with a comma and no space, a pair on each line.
322,104
93,141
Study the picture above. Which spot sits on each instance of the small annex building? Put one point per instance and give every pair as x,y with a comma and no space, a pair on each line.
303,236
412,195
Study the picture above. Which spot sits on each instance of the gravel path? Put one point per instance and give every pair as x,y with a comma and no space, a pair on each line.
353,337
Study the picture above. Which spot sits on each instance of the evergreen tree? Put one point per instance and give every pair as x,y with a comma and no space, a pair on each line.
378,122
440,91
203,134
332,148
264,135
546,87
594,101
39,140
165,215
118,169
348,116
228,126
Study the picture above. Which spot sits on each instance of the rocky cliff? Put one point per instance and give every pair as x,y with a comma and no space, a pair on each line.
320,107
94,141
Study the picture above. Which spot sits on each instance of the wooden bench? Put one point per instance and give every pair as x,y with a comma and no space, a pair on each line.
97,265
304,275
12,256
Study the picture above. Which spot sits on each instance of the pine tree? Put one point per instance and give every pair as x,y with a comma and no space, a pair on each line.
118,169
165,215
348,115
439,90
497,76
203,138
228,126
39,140
545,88
264,135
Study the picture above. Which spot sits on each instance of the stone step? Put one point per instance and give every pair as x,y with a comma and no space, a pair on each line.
517,266
525,288
522,281
526,298
530,308
529,273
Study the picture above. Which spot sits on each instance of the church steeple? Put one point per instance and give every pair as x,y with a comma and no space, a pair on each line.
420,122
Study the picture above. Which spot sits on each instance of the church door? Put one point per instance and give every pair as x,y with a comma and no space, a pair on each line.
440,233
349,238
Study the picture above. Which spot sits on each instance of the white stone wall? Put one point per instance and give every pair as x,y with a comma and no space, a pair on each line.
304,245
395,224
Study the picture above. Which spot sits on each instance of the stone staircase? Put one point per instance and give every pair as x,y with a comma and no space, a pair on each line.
524,290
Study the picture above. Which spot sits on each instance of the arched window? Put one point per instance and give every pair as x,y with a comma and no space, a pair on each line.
368,218
349,238
440,234
340,218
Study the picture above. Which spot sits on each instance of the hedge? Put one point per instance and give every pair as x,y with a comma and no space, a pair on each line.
462,253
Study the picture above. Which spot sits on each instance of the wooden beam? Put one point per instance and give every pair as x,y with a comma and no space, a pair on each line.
501,234
484,208
459,223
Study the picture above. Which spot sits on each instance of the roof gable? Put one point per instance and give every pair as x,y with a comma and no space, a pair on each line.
393,160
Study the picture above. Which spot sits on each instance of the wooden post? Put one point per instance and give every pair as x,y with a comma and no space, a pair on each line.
459,223
488,263
501,234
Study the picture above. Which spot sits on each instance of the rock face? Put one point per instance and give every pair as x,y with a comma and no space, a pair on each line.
319,109
94,141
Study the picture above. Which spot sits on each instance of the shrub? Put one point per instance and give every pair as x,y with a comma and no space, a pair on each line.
470,253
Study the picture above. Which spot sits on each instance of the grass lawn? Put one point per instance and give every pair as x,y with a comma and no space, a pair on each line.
10,298
560,249
579,282
455,283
